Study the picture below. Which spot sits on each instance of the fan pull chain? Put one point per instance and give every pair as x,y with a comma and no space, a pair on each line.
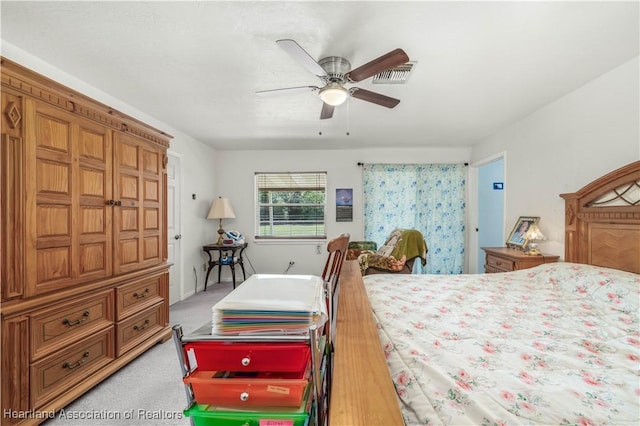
348,116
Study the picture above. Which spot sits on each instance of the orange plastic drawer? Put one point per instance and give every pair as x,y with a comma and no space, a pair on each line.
232,356
248,389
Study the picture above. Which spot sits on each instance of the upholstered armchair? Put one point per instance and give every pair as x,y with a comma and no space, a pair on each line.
397,255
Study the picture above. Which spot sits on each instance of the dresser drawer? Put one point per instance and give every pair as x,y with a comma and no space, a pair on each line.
500,264
57,373
137,328
228,356
57,327
131,298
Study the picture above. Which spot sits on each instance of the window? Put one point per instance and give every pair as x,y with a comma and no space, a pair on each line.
290,205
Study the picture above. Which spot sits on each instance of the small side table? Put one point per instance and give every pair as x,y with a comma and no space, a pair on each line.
226,256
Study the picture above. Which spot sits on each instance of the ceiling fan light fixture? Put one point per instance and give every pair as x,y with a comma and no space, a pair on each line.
333,94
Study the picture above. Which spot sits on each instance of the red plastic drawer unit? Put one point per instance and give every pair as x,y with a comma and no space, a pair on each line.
228,356
248,389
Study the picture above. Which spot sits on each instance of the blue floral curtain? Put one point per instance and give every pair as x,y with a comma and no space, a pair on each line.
426,197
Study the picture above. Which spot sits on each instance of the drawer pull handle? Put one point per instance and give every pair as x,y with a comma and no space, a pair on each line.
142,295
141,327
245,361
244,396
68,322
71,366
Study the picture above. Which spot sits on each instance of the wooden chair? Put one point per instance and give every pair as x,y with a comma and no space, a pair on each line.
337,249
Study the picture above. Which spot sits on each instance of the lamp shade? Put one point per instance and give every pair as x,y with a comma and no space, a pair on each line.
221,209
534,233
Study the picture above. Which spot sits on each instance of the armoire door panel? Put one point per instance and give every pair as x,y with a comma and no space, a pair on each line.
128,219
127,157
92,220
93,145
128,188
92,258
151,248
92,183
53,133
129,252
54,264
53,221
151,219
151,162
71,183
53,177
151,190
139,216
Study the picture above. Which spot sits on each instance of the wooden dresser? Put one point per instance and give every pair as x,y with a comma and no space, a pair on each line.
503,259
84,277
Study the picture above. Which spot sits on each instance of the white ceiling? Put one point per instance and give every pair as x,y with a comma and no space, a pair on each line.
197,65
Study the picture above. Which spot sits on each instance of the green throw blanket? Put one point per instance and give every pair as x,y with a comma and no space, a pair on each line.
411,244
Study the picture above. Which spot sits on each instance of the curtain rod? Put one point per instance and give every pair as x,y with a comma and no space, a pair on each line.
362,164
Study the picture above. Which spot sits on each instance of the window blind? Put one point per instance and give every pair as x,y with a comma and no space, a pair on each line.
290,205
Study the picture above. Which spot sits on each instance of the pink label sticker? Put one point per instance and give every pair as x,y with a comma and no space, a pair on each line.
275,422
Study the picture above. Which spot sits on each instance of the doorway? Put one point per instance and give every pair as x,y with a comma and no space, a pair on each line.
174,228
490,207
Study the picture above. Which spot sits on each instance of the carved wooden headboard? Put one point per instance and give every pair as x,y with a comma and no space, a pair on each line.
602,221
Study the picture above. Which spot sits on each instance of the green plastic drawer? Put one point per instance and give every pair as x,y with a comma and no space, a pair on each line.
207,415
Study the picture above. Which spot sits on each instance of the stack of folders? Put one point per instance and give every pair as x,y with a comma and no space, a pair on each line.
271,303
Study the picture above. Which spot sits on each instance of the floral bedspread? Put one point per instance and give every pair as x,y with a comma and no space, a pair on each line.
558,344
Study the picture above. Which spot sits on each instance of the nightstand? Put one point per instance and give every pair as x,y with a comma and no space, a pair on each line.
503,259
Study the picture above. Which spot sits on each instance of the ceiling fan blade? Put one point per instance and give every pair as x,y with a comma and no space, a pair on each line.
376,98
327,111
301,55
384,62
287,90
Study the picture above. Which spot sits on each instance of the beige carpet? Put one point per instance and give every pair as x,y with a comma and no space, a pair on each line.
149,390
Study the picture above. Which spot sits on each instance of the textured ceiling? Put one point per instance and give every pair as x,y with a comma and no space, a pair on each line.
197,65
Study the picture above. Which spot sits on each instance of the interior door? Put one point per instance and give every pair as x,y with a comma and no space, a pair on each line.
490,208
174,235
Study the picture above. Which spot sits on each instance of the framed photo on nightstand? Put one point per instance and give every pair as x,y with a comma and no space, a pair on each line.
517,236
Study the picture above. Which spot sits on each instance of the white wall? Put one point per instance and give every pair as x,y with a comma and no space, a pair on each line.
199,178
565,145
235,171
198,173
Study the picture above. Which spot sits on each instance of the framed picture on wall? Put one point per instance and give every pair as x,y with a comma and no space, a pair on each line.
344,205
517,236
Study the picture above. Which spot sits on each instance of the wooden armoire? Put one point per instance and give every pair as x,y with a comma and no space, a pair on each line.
83,239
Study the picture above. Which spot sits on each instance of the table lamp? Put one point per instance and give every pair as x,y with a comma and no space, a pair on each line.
533,235
221,209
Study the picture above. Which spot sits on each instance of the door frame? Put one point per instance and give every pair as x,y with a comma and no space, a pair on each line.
473,245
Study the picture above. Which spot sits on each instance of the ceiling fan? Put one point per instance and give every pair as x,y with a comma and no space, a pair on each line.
335,72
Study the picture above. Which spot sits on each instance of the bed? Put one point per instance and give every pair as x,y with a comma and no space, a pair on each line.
555,344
